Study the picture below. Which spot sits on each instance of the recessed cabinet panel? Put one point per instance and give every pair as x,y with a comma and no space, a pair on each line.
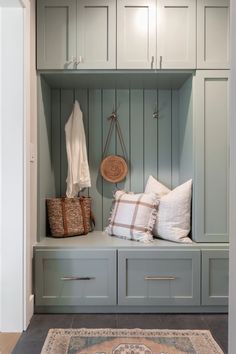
56,31
176,34
66,277
136,34
215,277
158,277
211,180
213,34
96,26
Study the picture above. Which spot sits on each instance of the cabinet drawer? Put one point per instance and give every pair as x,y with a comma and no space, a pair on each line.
67,277
159,277
215,277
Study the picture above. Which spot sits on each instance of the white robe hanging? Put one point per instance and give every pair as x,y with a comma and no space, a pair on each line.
78,176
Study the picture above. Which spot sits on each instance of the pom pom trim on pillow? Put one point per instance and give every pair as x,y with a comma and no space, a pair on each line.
133,216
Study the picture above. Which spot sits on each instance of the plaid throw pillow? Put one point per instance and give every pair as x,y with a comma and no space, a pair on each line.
133,216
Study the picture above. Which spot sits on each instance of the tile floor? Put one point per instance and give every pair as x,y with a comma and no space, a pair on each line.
31,341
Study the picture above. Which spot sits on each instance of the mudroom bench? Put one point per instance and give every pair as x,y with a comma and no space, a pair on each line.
98,273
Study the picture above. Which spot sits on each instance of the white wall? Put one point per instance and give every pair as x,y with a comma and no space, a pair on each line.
232,276
31,162
18,99
0,166
12,176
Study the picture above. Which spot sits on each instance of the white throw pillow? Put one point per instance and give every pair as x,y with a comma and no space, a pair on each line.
174,211
133,216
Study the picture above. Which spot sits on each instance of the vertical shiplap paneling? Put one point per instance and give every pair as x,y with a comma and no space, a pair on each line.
108,104
81,95
150,134
152,144
95,153
123,104
56,139
164,137
67,100
136,141
175,138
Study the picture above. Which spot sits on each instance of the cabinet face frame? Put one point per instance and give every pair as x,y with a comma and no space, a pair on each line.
185,13
209,49
57,61
210,193
208,256
124,256
105,10
44,271
138,11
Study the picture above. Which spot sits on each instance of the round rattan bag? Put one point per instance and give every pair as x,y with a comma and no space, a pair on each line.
114,168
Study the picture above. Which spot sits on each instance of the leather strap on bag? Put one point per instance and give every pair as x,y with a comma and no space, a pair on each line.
114,123
81,200
63,208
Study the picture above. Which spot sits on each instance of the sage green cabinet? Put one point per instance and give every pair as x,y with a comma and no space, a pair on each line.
166,277
71,277
176,34
136,34
56,34
156,34
210,199
96,34
215,277
213,34
76,34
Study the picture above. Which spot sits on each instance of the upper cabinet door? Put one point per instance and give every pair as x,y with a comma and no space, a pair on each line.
176,34
96,34
213,34
136,34
56,31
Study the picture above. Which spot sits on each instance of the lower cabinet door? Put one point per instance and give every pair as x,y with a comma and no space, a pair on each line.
68,277
162,277
215,277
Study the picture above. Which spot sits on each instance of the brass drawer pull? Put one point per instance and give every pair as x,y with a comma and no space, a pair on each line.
77,278
159,278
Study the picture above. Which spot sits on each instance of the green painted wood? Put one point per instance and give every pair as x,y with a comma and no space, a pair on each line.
108,104
152,144
215,277
150,134
186,132
164,137
95,153
136,34
56,33
51,267
67,101
96,34
135,266
56,139
136,141
211,156
123,105
175,151
131,309
121,79
46,183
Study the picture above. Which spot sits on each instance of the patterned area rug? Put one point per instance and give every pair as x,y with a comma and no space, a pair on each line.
129,341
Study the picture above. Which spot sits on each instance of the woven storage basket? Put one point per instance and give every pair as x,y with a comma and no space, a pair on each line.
114,168
69,216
